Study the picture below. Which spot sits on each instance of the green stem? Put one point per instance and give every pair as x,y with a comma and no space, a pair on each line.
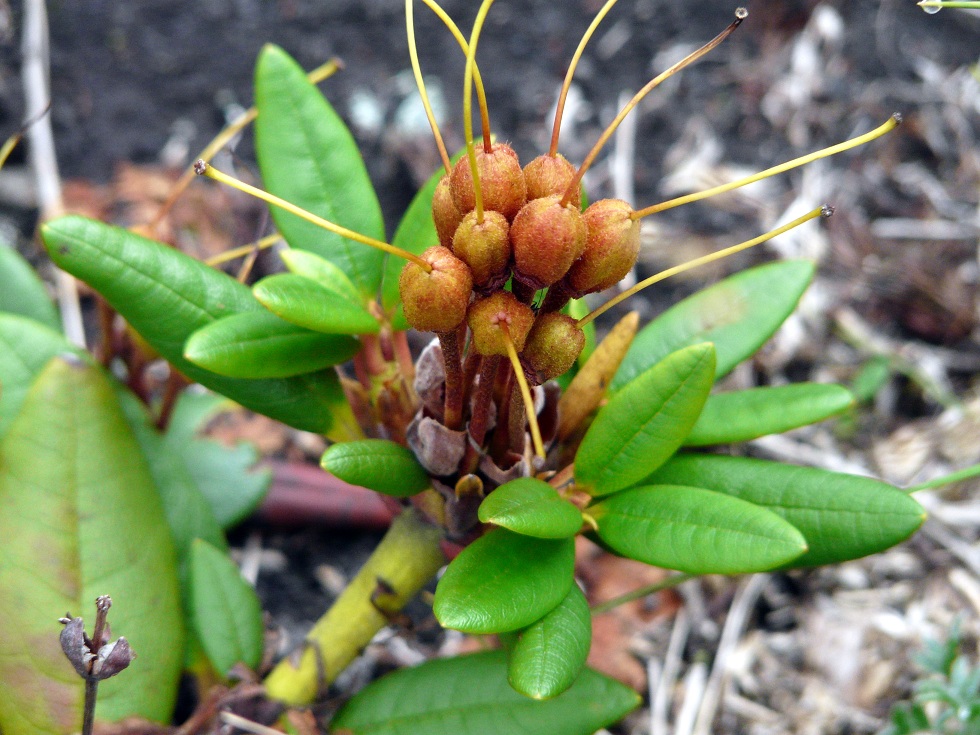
672,581
958,476
406,559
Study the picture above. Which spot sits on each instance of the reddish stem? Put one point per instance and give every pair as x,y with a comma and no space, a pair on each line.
453,405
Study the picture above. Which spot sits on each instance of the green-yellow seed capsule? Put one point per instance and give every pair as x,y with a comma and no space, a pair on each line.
552,346
484,247
611,247
501,181
487,316
436,301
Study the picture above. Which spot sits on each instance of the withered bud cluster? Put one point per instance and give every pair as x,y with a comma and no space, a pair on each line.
531,232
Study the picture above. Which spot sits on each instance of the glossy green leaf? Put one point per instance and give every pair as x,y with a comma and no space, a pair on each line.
841,516
188,512
645,422
469,695
504,581
694,530
26,346
549,654
737,314
304,302
258,344
226,476
377,464
79,518
167,296
308,157
225,611
746,414
531,507
23,291
312,266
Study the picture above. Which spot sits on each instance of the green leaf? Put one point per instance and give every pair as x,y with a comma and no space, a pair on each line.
377,464
737,314
188,512
226,476
225,611
548,655
304,302
695,531
167,296
531,507
746,414
23,291
841,516
26,346
308,157
79,518
258,344
312,266
645,422
469,695
504,581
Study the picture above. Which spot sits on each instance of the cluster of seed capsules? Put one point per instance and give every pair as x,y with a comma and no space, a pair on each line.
529,230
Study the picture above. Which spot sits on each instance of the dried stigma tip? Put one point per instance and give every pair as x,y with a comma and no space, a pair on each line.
200,167
103,603
897,117
741,14
827,211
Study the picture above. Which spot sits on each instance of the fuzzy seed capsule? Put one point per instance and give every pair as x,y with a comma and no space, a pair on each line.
501,181
611,248
484,246
445,213
552,346
487,316
550,176
547,238
436,301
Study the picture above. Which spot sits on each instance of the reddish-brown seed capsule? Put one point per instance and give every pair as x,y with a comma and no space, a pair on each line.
550,176
436,301
611,248
501,181
552,346
484,246
487,316
445,213
547,238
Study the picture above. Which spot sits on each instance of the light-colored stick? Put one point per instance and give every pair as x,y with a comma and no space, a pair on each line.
44,162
